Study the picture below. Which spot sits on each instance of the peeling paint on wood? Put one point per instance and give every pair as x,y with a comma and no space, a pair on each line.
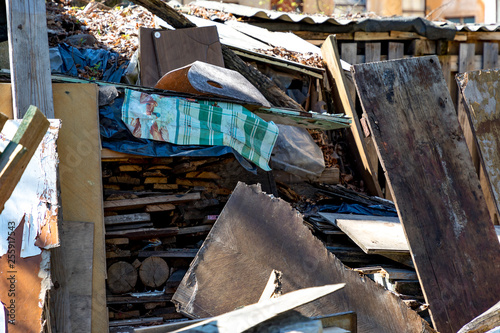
35,197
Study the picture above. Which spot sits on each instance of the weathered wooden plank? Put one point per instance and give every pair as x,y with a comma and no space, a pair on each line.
127,218
482,105
372,52
436,189
466,57
374,235
170,253
396,50
3,120
484,322
29,57
349,52
143,233
71,268
332,59
490,55
246,244
141,202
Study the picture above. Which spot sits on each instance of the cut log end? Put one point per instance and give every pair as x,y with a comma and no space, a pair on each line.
154,272
122,277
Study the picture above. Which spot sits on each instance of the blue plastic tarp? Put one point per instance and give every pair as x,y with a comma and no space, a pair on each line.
344,208
72,58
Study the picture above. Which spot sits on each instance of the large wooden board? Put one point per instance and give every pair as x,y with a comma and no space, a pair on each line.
481,92
256,233
331,56
29,56
373,234
178,48
81,178
149,73
437,192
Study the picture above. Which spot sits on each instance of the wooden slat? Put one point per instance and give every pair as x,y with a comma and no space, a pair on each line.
482,106
466,57
141,202
170,253
490,55
29,57
18,153
127,218
332,59
423,151
143,233
396,50
373,234
372,52
232,258
349,52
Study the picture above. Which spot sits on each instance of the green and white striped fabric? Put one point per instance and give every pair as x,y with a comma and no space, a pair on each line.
191,122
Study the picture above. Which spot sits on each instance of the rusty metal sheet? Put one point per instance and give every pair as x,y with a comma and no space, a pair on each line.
481,92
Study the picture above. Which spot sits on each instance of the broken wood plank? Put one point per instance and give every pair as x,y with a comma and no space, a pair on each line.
71,270
15,157
373,234
240,320
332,60
170,253
483,110
141,202
418,136
139,299
159,208
143,233
485,322
128,218
29,57
287,246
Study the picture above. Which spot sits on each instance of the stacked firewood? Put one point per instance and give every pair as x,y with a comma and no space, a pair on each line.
157,213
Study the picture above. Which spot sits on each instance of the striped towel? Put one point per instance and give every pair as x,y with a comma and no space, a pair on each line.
194,122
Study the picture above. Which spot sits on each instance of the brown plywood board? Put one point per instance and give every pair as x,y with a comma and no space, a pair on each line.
178,48
437,192
81,178
481,92
257,233
149,72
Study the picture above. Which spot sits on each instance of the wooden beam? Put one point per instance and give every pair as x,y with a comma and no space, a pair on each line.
424,153
29,57
372,52
396,51
490,55
18,153
332,60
